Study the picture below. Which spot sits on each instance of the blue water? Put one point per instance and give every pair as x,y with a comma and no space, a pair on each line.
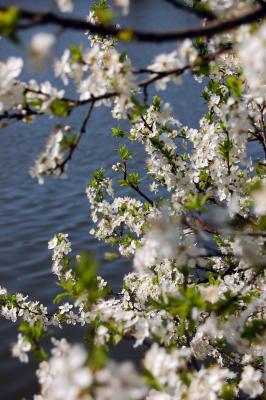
31,214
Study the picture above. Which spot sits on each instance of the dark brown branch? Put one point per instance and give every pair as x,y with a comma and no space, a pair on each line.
192,10
161,75
74,102
19,115
78,138
32,19
136,188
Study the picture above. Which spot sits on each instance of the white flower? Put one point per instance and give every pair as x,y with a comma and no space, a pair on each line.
185,55
102,335
109,72
11,91
206,383
160,243
164,365
52,243
64,375
119,382
165,240
155,395
251,381
124,4
9,313
20,349
252,54
259,198
65,5
3,291
50,159
210,293
61,247
141,331
64,308
154,187
41,44
62,67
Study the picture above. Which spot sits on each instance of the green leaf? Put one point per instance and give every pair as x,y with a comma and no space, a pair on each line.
99,174
60,297
122,57
9,20
86,270
122,182
235,85
225,306
125,153
253,329
118,132
151,380
225,148
97,357
196,202
35,103
228,392
201,46
68,141
186,378
156,102
202,68
41,355
111,256
183,304
138,109
86,274
59,108
33,333
103,12
133,179
76,53
126,35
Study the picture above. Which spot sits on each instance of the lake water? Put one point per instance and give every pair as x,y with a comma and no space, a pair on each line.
31,214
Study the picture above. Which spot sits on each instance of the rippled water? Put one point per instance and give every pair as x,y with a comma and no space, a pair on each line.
31,214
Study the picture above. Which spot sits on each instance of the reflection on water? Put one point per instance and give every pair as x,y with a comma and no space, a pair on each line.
31,214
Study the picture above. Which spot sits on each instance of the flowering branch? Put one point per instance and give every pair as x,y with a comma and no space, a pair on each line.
44,18
194,298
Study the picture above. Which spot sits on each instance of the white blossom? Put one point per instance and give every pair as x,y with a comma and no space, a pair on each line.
41,45
64,375
124,4
251,381
252,55
48,162
11,90
21,348
65,5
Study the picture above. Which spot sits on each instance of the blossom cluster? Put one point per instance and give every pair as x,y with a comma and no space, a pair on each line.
192,228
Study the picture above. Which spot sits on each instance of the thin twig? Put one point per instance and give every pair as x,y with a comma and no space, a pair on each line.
136,188
78,138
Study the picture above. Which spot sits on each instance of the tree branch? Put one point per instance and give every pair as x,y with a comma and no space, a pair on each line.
156,75
34,18
136,188
209,15
78,138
